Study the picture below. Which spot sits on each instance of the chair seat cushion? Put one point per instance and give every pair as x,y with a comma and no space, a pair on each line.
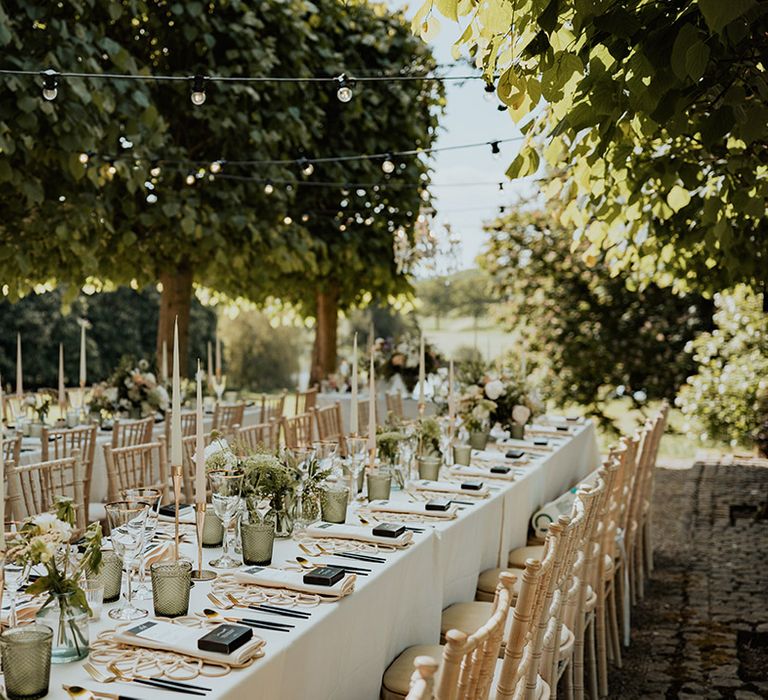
397,678
96,512
518,557
489,579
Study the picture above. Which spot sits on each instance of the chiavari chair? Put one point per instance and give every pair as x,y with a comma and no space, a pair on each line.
305,401
57,443
12,448
126,433
260,435
137,466
330,425
467,661
34,488
188,425
395,404
297,430
228,415
422,681
271,408
363,416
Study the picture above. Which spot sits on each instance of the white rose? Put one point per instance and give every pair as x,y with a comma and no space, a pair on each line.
45,521
494,389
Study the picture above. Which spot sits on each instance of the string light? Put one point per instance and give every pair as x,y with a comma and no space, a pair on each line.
490,92
287,220
344,93
198,90
307,168
216,166
83,158
190,180
269,188
495,150
50,84
155,172
388,166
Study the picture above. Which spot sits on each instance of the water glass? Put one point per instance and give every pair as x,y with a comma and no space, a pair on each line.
333,504
379,487
15,577
127,522
226,487
111,575
94,596
429,468
170,587
462,455
258,540
153,498
26,655
213,532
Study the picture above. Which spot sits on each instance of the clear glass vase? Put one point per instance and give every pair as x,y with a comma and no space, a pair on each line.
67,615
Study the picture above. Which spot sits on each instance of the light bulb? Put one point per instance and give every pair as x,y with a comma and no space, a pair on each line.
83,158
344,93
112,170
190,179
495,150
388,166
198,90
287,220
305,218
216,166
306,167
50,84
155,172
490,92
269,188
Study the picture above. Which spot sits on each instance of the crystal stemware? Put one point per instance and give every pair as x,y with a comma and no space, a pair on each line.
327,452
143,591
226,487
356,447
301,459
219,386
127,523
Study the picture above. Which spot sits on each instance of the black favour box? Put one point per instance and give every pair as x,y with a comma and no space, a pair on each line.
501,469
324,576
224,639
471,485
514,454
438,504
540,441
389,530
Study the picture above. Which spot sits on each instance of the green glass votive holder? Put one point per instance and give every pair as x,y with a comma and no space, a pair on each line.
213,530
111,575
429,468
333,505
170,588
379,487
258,540
26,655
517,431
462,455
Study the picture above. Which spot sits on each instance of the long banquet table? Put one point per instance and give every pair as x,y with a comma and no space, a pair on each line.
341,652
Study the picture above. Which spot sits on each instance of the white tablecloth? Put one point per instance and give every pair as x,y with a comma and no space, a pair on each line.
343,650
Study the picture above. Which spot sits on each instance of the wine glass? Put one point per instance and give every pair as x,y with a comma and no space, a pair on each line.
127,523
356,447
219,386
143,591
301,459
15,575
226,487
326,451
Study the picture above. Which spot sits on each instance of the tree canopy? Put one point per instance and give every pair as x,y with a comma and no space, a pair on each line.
649,117
598,338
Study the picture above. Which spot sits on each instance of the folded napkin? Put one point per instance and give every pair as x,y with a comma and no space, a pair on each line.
163,552
186,516
357,533
419,509
292,581
447,487
495,457
528,445
481,472
165,636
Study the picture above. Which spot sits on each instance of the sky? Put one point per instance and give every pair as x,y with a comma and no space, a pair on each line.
469,118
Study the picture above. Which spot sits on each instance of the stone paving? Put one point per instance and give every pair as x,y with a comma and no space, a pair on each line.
702,630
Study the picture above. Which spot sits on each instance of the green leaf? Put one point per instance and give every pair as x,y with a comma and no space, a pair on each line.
678,197
448,8
719,13
685,39
696,59
547,20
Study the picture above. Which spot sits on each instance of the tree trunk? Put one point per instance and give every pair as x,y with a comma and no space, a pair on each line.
324,348
175,302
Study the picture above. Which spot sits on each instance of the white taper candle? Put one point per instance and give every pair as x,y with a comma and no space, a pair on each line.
353,416
176,402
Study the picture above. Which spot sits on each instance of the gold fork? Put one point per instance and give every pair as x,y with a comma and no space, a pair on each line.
224,605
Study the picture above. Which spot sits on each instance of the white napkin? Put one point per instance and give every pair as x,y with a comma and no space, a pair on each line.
495,457
447,487
528,445
482,472
357,533
552,430
412,509
292,581
186,516
165,636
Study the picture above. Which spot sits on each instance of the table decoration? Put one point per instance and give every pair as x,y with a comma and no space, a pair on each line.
137,392
453,487
398,360
429,467
26,656
43,541
412,510
333,504
93,587
225,488
292,581
127,529
311,477
356,447
170,588
111,575
257,541
340,537
462,454
213,532
152,497
379,485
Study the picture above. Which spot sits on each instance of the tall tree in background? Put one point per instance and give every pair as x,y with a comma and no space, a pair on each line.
653,121
586,325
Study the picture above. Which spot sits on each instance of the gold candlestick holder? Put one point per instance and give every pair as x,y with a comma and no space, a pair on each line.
176,473
201,574
421,408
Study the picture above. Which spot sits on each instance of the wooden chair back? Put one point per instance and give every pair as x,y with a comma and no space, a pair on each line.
58,443
297,431
265,435
305,401
188,425
126,433
395,404
227,415
13,406
330,425
137,466
469,662
422,681
272,408
34,488
12,449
